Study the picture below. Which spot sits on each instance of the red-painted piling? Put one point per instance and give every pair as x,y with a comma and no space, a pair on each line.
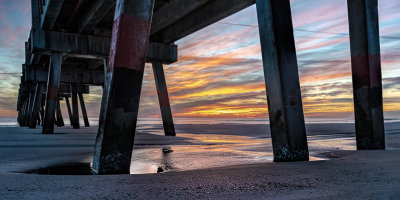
366,70
120,103
53,82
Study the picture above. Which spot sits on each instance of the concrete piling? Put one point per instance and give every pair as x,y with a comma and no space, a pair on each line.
163,99
24,107
28,115
120,103
83,108
36,105
52,93
69,109
60,120
24,110
367,76
41,112
286,117
75,110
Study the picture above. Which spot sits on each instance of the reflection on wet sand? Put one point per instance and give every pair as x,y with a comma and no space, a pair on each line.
219,150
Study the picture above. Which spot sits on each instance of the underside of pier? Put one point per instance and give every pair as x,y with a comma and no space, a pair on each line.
75,44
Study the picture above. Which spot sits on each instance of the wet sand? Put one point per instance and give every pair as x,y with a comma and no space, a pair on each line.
208,161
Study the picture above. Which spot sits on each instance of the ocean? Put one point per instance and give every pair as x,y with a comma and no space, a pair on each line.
12,122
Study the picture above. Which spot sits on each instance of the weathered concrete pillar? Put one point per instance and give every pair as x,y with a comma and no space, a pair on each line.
120,104
41,112
75,111
83,108
36,105
28,114
20,113
69,109
60,120
19,105
367,77
285,107
29,104
38,118
53,82
21,99
24,111
163,99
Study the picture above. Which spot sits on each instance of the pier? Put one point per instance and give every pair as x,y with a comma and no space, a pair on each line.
74,44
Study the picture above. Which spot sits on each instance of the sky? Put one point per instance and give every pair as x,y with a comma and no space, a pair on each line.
219,73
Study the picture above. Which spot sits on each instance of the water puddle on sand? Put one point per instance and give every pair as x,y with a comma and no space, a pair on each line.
217,150
206,151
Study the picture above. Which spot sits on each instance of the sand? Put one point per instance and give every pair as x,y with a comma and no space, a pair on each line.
239,168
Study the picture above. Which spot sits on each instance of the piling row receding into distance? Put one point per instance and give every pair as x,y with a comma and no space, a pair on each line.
107,42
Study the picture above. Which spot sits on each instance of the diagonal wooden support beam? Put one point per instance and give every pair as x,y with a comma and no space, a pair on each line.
285,107
367,75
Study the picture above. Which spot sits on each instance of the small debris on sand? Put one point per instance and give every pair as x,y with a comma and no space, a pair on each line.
167,150
160,169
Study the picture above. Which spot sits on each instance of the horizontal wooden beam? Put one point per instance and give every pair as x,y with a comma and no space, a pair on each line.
87,46
73,45
208,14
65,89
89,77
164,53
